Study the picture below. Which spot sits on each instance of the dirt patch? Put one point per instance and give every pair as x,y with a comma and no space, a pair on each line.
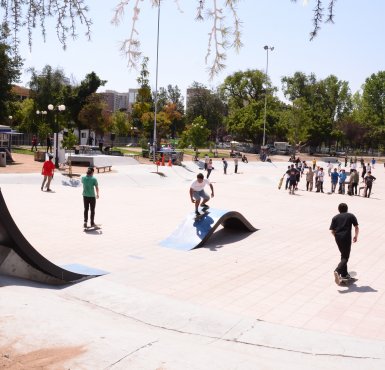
42,359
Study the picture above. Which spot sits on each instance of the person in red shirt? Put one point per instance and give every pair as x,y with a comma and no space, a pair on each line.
47,172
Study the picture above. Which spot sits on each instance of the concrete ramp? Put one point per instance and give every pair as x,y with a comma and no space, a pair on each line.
193,233
18,257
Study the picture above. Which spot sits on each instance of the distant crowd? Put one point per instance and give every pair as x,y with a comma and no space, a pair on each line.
343,180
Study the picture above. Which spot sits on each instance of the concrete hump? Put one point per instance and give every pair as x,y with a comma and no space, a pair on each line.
18,258
194,232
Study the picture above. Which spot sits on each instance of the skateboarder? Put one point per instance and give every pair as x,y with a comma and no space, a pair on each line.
90,184
47,172
341,228
197,192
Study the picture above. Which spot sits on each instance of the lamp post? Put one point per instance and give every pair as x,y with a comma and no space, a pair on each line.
41,113
156,84
267,48
59,108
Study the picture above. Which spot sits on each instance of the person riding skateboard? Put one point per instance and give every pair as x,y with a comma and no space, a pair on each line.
90,184
197,193
341,228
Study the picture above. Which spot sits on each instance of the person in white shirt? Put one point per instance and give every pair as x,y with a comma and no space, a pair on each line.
197,192
330,168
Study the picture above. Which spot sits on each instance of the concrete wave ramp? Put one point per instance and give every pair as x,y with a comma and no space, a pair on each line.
18,258
194,232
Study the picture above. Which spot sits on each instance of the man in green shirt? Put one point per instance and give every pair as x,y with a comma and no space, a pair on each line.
90,184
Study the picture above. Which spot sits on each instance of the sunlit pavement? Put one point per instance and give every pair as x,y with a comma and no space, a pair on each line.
265,300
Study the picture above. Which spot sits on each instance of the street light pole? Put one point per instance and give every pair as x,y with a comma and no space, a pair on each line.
267,48
156,85
59,108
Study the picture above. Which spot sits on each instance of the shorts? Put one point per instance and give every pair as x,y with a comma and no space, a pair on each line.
197,195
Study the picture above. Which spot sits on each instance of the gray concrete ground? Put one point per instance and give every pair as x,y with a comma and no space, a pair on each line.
265,300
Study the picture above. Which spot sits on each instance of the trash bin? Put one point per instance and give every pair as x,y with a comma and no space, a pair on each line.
3,159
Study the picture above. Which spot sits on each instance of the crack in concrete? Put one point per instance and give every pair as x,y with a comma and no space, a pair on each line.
149,344
216,338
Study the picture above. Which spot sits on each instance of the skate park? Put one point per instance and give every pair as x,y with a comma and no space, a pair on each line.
244,300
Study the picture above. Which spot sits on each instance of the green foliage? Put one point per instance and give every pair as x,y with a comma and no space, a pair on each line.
373,99
94,115
69,140
10,71
245,94
207,104
120,123
196,135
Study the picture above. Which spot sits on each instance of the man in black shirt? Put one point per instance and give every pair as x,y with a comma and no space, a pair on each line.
368,184
341,228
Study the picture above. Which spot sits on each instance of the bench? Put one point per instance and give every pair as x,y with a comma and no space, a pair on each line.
104,168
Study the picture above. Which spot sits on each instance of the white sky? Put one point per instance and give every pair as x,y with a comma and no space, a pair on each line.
352,48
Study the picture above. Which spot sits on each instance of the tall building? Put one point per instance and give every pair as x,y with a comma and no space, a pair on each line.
120,101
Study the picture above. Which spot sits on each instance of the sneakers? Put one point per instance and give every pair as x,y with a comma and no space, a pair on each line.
337,278
49,190
93,225
346,277
197,213
205,206
85,225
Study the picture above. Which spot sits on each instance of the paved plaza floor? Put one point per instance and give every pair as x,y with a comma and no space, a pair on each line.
262,300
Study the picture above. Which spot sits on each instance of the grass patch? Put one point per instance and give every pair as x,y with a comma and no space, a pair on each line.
22,151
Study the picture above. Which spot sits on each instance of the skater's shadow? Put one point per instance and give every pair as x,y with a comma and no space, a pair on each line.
358,289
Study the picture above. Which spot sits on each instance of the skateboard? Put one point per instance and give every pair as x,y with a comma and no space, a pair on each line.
204,212
92,228
280,183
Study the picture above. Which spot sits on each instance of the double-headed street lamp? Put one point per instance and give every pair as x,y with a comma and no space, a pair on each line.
267,48
59,108
41,113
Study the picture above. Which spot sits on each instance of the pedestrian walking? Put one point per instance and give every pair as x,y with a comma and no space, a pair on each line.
320,180
209,168
90,185
236,164
354,180
309,179
34,143
341,228
330,168
49,144
224,166
342,178
47,171
334,180
363,172
314,162
369,179
373,162
207,159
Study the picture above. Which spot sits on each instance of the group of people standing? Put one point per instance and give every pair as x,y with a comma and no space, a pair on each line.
208,164
315,175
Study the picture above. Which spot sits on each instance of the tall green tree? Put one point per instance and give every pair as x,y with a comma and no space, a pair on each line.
196,134
76,97
94,115
10,70
245,93
207,104
373,99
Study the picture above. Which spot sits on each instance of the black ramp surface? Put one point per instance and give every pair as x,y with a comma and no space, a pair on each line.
193,233
19,258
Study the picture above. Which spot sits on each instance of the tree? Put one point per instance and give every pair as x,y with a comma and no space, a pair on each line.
49,87
10,68
373,99
94,115
245,93
30,14
120,123
207,104
67,13
77,96
196,134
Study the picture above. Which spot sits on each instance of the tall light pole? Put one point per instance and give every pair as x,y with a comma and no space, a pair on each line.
59,108
41,113
267,48
156,85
